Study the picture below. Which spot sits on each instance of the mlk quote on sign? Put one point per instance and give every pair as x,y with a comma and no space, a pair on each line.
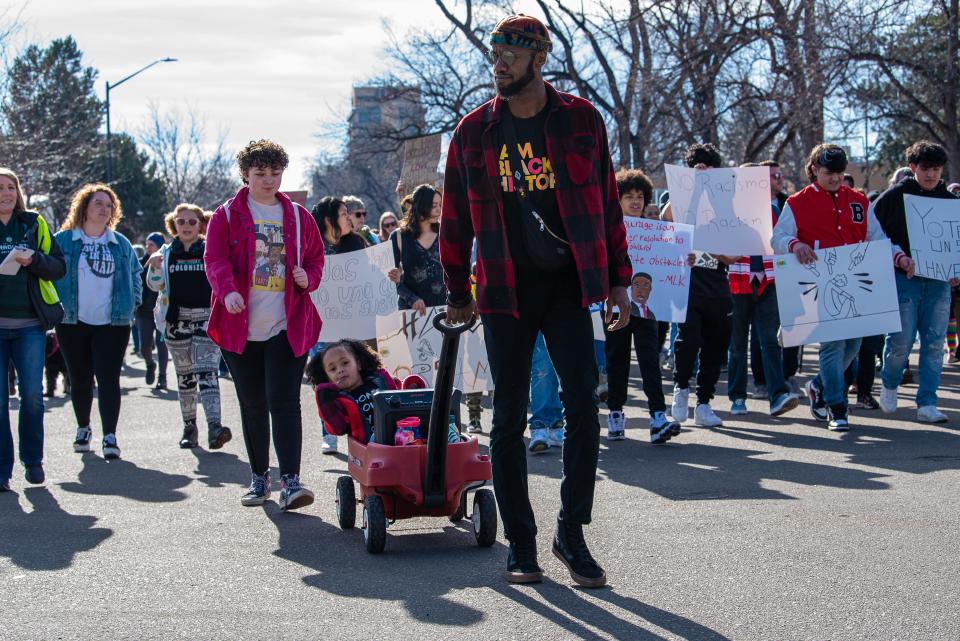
659,250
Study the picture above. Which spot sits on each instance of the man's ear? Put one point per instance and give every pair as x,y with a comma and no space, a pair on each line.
540,59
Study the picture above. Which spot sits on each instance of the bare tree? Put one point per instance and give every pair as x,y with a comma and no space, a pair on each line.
193,169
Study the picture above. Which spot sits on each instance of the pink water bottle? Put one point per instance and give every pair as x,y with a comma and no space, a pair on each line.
407,431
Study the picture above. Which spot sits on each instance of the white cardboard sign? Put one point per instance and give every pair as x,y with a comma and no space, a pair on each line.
729,208
849,292
354,291
659,248
933,225
410,344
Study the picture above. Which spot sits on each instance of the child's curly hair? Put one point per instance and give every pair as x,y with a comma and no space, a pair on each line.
261,153
368,360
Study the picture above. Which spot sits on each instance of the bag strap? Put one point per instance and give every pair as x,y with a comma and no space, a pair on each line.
397,239
296,216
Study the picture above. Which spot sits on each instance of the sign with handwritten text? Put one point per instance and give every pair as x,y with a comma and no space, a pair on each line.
729,208
658,249
354,291
410,344
421,157
933,225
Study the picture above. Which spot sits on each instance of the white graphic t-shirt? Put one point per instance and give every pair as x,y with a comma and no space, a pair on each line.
267,314
95,281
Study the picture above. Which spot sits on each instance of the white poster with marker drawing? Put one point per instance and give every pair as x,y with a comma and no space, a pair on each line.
410,344
659,249
933,225
729,208
355,291
849,292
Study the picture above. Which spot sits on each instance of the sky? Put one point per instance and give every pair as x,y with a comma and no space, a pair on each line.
281,70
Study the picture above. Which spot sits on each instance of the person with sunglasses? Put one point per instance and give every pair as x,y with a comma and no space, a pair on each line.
182,312
550,242
828,214
357,215
388,223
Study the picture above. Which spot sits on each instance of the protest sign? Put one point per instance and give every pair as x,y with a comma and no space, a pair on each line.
729,208
410,344
354,291
933,225
659,249
421,156
848,292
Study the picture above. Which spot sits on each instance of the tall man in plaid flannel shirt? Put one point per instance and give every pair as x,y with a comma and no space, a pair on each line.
560,143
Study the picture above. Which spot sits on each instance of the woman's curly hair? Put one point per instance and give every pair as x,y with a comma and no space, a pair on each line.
261,153
78,206
368,361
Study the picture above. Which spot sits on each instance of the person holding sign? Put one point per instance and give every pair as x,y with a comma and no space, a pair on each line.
822,215
416,253
924,301
550,242
28,307
263,257
706,332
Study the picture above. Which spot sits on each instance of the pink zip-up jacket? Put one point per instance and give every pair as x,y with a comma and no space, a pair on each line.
229,260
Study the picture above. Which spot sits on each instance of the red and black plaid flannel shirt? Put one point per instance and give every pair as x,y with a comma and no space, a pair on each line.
587,200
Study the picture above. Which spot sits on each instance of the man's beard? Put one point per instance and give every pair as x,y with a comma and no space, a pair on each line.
515,87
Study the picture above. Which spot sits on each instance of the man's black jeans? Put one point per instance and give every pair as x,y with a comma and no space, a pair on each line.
550,304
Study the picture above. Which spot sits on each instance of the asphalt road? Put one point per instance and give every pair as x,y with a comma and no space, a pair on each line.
765,529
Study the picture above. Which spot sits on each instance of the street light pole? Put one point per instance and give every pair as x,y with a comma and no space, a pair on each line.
107,101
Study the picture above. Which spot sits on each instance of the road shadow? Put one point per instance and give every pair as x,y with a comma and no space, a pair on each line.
125,479
47,538
428,562
220,469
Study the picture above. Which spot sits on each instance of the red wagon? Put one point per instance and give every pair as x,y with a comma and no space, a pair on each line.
402,482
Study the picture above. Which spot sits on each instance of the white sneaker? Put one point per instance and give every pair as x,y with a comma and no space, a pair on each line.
888,400
539,440
680,408
704,416
930,414
329,445
616,422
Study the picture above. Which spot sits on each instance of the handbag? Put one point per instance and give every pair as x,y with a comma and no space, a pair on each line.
546,249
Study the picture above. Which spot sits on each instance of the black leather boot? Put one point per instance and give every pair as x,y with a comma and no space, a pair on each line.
522,563
570,547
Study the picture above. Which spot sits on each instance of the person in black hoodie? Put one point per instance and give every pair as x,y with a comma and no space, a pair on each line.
146,327
924,302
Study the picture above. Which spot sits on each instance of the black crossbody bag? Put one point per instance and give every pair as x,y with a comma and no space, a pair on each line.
547,250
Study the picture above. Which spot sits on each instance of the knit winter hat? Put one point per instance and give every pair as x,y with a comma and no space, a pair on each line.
156,238
521,31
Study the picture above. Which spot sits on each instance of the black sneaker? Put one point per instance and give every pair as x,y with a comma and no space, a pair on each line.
34,474
189,438
258,492
82,442
109,447
522,563
4,485
161,383
151,373
867,402
570,547
838,418
218,436
818,407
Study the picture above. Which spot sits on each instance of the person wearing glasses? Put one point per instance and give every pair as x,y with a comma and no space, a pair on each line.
550,242
182,312
828,214
357,215
388,222
100,293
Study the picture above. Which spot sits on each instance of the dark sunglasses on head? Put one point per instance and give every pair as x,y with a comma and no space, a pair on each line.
186,221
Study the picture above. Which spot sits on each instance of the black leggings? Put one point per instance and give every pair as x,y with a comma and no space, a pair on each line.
94,350
267,378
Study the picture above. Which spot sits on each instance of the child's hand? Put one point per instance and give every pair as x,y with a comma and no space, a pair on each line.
300,277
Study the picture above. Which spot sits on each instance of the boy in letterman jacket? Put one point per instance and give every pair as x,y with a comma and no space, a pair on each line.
827,214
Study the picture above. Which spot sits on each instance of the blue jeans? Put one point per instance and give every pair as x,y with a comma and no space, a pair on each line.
924,308
600,350
762,312
835,358
27,347
545,407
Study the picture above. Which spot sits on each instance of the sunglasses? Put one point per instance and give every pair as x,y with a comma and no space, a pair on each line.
390,225
359,214
777,176
186,221
508,57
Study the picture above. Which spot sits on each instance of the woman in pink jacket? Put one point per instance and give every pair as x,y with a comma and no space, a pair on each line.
264,256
